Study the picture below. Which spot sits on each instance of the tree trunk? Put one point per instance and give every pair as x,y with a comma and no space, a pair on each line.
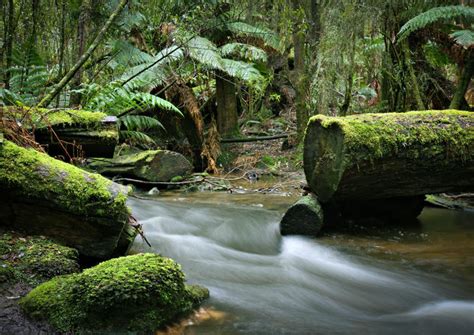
305,217
377,156
464,80
227,115
50,96
81,44
44,196
151,165
300,78
9,42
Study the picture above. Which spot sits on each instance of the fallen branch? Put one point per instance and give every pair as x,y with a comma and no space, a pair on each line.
254,139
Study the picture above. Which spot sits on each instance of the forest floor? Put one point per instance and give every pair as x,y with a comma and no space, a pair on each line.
277,163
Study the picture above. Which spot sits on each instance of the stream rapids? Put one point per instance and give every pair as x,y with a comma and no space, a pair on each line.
396,282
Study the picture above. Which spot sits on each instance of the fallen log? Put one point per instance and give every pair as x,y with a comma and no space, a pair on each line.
150,165
304,217
94,133
43,196
382,156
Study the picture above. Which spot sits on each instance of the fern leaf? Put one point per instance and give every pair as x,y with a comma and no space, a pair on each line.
269,37
205,52
140,122
136,137
244,51
243,71
433,15
464,37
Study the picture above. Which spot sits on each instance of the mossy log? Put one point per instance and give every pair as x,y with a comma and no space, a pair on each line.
138,294
44,196
381,156
94,132
304,217
150,165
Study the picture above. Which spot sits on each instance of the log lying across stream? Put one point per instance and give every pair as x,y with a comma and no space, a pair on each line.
41,195
384,164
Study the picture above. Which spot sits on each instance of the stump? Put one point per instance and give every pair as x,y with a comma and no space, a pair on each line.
305,217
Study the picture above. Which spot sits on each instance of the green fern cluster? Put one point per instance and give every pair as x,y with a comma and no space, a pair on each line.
439,14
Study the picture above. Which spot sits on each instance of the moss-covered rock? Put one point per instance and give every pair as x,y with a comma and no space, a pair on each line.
136,293
45,196
34,259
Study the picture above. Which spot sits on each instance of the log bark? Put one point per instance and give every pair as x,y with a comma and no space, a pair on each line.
304,217
379,156
41,195
151,165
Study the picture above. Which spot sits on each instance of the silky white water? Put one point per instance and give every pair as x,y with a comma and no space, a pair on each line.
268,284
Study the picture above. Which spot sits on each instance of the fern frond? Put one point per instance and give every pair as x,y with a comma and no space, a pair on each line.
433,15
136,137
464,37
205,52
147,100
140,122
243,71
126,54
156,74
244,51
269,37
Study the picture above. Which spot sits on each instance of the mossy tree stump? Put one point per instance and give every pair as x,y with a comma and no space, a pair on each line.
44,196
303,217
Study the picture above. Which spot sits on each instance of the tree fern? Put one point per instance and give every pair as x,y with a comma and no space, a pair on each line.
136,137
433,15
244,71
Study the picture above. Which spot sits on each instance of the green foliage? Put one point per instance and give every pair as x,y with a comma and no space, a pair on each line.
433,15
28,78
140,293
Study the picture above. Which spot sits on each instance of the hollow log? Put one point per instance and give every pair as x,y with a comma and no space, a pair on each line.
150,165
382,156
304,217
44,196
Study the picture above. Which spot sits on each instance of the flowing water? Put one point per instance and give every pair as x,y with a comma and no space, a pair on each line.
413,280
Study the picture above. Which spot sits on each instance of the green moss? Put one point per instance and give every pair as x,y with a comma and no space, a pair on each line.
7,273
42,117
142,292
35,175
36,259
373,136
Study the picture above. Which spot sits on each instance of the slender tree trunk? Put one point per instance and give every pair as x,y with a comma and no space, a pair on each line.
350,78
458,101
62,45
81,44
302,114
227,115
9,42
50,96
414,80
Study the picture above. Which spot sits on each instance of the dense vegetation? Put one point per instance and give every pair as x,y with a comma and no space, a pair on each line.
200,69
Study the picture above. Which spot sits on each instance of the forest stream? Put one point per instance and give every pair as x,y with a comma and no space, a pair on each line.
418,279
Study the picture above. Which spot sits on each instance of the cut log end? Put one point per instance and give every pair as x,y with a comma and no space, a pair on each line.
305,217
